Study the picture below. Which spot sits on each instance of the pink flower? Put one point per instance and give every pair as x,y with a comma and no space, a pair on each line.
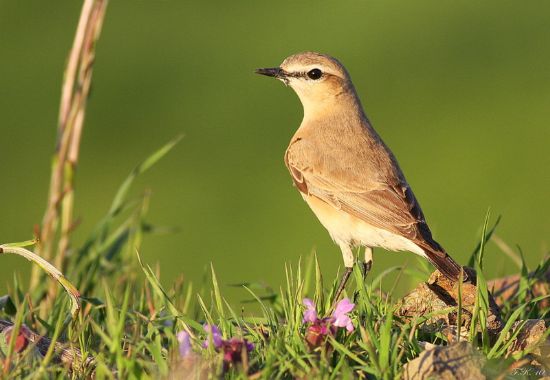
310,314
318,328
339,317
340,314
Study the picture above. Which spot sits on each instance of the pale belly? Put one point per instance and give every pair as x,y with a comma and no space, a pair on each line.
347,229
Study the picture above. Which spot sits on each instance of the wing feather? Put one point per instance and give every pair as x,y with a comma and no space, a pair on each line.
385,202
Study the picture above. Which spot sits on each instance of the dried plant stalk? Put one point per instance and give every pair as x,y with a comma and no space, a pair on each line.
58,217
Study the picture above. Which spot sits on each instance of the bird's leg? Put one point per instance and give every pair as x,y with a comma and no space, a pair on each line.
367,264
349,260
343,282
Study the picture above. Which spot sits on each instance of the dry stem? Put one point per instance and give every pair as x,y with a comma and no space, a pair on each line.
58,217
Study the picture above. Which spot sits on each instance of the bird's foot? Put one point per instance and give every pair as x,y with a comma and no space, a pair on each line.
367,266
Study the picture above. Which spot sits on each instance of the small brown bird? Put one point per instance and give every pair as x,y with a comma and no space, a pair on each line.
345,172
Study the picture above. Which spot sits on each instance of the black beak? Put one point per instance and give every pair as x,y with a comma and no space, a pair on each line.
275,72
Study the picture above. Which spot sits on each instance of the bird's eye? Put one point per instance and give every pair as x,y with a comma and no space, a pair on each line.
314,74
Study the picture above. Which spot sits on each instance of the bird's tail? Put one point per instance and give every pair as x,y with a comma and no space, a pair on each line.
444,263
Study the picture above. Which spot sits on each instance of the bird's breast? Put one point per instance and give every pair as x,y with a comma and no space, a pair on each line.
346,228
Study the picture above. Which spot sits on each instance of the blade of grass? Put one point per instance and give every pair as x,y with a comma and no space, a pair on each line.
523,289
459,301
344,350
157,287
122,192
385,342
50,270
224,325
486,236
481,304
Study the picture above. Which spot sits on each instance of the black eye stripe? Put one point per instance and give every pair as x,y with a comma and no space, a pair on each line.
304,74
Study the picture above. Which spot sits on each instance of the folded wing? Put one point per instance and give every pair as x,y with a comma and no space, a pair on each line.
370,190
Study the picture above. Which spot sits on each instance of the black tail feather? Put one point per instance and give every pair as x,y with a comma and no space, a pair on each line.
445,264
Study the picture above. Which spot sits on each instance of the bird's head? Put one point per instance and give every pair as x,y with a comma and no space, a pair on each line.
318,79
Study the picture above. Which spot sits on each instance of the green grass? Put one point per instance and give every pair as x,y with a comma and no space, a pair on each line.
128,323
481,90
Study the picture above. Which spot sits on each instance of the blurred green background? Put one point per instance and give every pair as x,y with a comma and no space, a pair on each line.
460,91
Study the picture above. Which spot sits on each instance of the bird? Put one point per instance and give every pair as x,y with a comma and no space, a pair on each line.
347,175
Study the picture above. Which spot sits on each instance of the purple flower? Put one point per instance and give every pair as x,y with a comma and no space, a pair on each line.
215,334
340,314
184,343
310,314
318,328
232,348
339,317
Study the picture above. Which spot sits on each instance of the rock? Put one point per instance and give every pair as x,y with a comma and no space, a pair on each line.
505,289
529,336
440,293
456,361
423,301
